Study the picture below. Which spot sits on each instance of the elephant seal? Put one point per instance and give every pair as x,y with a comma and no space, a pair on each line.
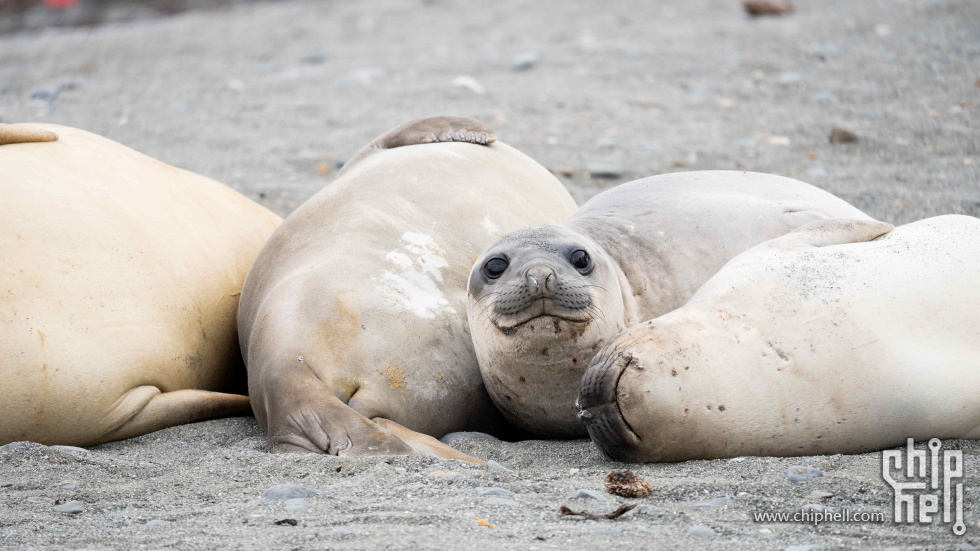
353,317
544,300
839,337
120,279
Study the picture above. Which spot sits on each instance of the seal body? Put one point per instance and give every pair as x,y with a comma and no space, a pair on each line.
355,309
630,254
120,280
840,337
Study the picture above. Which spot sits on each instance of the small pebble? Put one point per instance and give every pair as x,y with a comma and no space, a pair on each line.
811,547
500,501
287,491
797,474
469,83
507,533
69,448
839,134
717,502
338,532
524,61
589,494
609,531
820,494
494,492
700,531
156,522
788,77
494,466
295,504
71,508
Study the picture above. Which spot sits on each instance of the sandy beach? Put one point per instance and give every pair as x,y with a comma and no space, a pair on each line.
272,97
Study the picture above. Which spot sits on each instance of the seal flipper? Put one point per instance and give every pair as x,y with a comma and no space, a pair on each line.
20,133
424,442
423,131
155,410
831,232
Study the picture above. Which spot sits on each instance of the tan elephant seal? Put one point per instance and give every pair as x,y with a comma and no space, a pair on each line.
119,277
356,307
544,300
840,337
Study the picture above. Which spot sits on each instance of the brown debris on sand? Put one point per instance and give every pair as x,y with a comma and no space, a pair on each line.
756,8
627,484
622,510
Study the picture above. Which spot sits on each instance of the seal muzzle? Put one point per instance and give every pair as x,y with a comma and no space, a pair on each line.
599,407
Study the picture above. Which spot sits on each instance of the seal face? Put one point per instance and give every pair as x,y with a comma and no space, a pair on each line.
552,298
543,301
844,336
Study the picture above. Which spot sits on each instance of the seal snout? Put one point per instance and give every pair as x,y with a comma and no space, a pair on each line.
599,407
540,281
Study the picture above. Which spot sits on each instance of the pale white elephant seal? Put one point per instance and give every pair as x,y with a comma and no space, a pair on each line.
119,278
840,337
355,310
544,300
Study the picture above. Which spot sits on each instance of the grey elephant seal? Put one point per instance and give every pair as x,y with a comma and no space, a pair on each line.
120,280
353,317
544,300
840,337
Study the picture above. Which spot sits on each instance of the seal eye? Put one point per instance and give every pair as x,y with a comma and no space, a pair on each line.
495,267
580,259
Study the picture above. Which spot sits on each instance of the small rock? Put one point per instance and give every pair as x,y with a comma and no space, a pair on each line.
701,531
788,78
779,140
287,491
156,522
816,508
295,504
796,473
69,449
466,435
494,492
494,466
71,508
524,61
46,94
737,459
820,494
314,59
606,169
500,501
588,494
338,532
469,83
816,172
507,534
824,97
717,502
757,8
839,134
609,531
811,547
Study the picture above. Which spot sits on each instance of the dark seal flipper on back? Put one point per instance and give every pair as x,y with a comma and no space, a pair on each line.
19,133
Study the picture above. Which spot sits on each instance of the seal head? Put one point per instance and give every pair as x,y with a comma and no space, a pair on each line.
542,302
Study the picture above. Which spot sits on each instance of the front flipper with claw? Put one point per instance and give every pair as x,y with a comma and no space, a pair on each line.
309,418
423,131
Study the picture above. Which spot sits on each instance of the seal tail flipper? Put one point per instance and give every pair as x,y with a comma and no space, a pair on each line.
19,133
423,442
422,131
169,409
